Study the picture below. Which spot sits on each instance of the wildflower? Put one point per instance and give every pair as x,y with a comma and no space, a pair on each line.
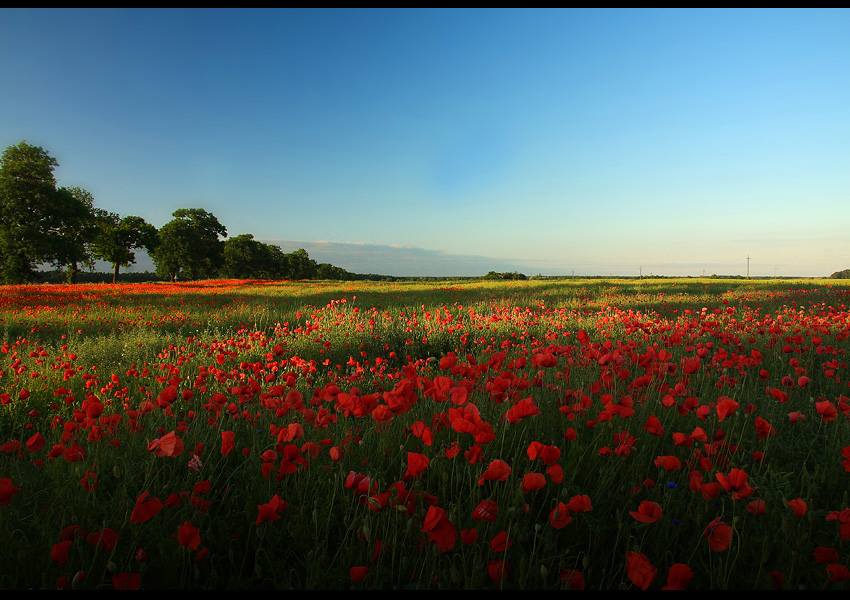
498,470
640,570
573,579
189,536
719,535
735,483
270,511
145,509
227,439
416,465
487,510
798,506
678,577
647,512
533,481
358,574
560,516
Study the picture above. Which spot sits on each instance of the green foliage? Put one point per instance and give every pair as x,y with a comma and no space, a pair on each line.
492,275
845,274
32,213
118,238
246,258
189,245
77,230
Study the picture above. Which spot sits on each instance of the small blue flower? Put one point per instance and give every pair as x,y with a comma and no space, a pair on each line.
671,485
676,521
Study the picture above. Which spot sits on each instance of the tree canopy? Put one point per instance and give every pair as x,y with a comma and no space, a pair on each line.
38,223
189,245
118,238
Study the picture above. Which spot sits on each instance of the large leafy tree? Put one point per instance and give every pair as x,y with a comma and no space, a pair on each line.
301,266
76,232
247,258
118,239
189,245
32,212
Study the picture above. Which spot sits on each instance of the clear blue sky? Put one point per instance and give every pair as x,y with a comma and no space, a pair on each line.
428,142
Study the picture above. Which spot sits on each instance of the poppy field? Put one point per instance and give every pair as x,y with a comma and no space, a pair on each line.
546,434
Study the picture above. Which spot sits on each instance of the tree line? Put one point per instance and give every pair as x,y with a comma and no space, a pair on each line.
41,223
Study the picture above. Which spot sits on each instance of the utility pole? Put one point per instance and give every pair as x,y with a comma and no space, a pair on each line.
748,266
640,270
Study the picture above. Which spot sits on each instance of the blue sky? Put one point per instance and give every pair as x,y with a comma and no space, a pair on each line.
455,142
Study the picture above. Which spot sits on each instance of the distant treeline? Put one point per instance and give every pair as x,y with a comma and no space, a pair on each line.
42,224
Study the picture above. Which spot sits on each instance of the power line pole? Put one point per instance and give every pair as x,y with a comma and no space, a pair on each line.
748,266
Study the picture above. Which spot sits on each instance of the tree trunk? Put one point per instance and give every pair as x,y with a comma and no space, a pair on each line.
115,268
71,276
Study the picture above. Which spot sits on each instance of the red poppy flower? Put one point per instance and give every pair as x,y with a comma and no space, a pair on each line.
560,516
678,577
189,536
719,535
487,510
653,425
501,542
798,506
498,470
837,572
89,481
763,428
227,442
573,579
127,581
555,473
35,443
498,571
578,504
825,554
468,536
647,512
735,483
106,538
533,481
270,511
668,463
59,552
358,574
548,454
640,570
826,410
522,409
145,509
725,407
440,530
843,518
416,465
757,507
168,445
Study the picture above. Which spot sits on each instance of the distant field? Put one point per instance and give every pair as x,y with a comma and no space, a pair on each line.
598,434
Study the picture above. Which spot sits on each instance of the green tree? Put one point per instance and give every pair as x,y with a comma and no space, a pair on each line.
301,266
117,239
76,232
32,212
246,258
189,245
